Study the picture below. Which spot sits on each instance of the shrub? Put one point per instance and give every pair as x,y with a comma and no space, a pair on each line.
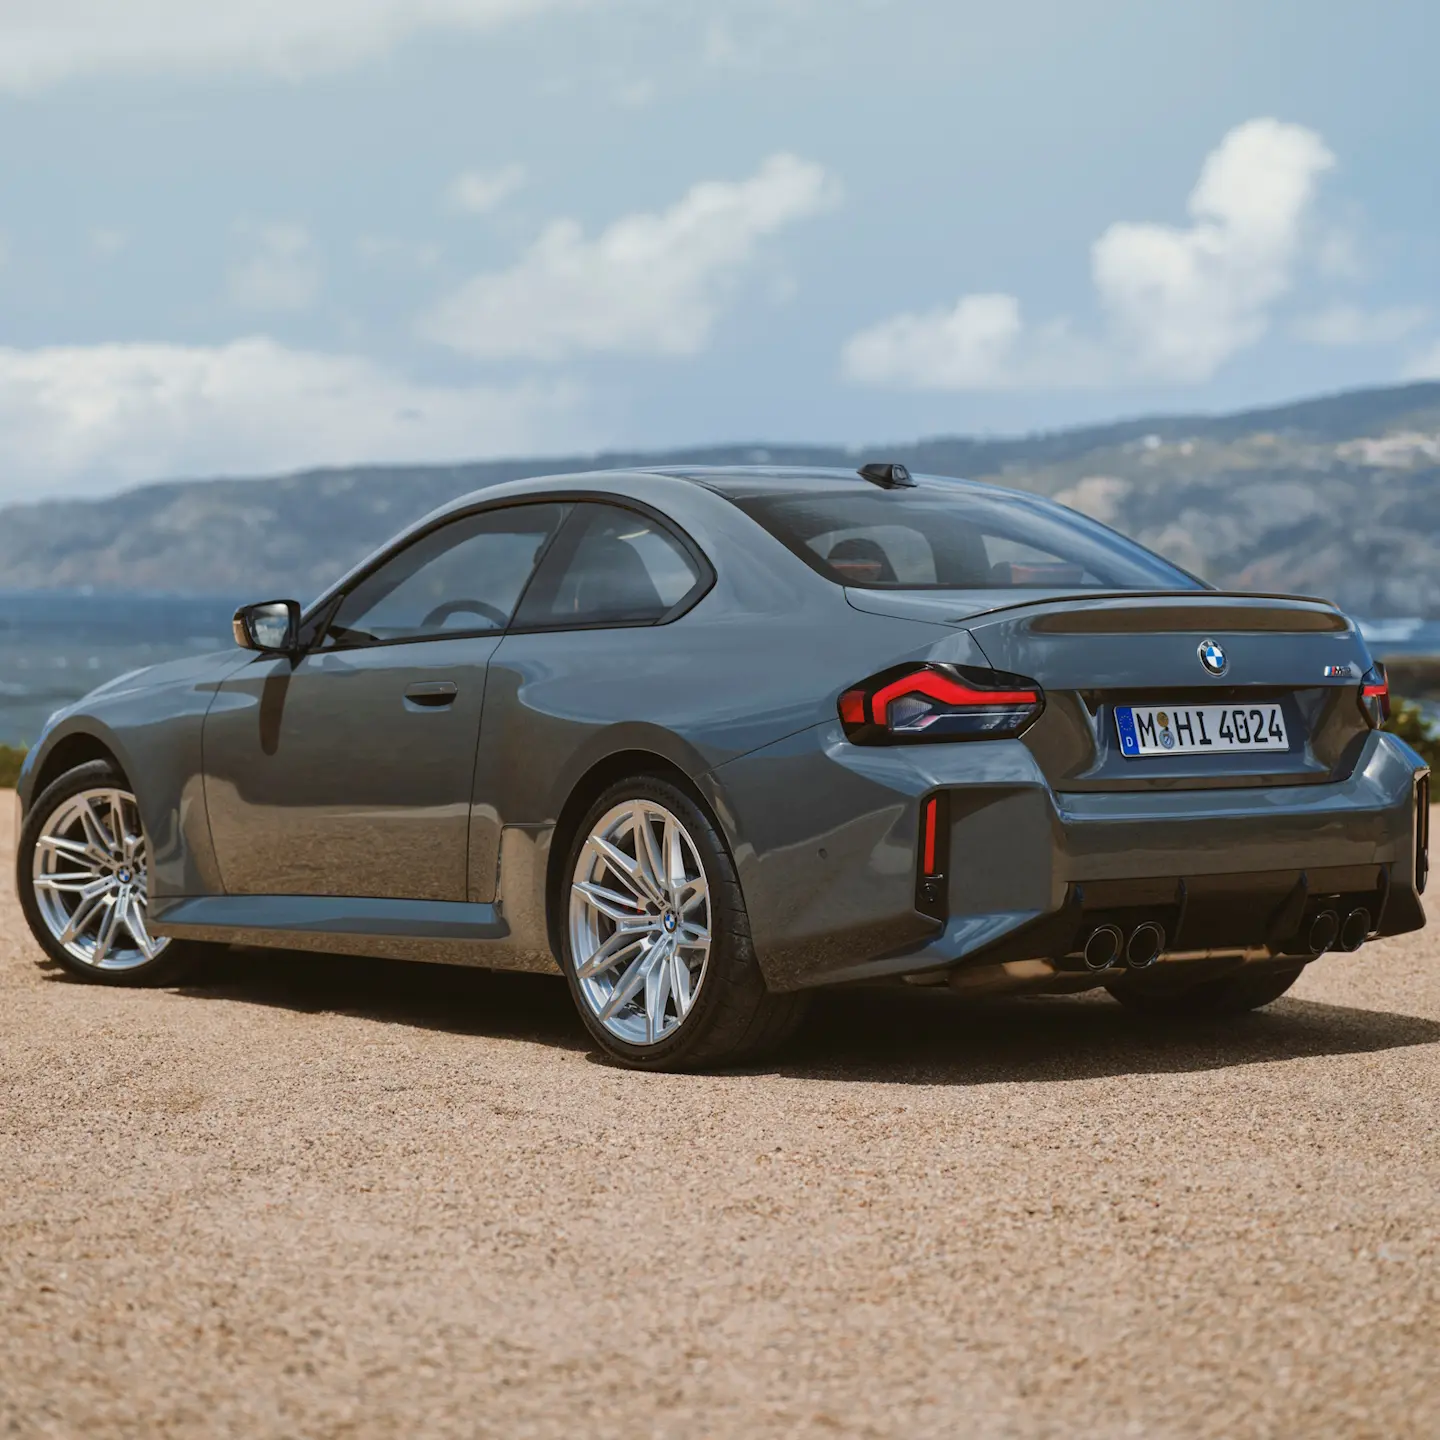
11,758
1408,721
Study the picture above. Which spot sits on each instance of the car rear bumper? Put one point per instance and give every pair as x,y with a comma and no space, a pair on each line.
826,837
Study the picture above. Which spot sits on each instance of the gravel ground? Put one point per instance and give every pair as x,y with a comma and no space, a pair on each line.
323,1197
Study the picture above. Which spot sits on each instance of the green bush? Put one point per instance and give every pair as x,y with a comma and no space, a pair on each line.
1409,723
11,758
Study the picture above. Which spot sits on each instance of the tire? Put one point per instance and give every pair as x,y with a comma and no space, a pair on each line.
1211,999
696,1006
80,809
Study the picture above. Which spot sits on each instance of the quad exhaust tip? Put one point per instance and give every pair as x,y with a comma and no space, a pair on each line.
1143,947
1107,946
1103,947
1356,929
1323,930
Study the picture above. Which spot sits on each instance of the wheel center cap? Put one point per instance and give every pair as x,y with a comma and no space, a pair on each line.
669,922
123,876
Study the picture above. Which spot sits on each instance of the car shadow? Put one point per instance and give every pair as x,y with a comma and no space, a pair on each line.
461,1001
938,1039
925,1037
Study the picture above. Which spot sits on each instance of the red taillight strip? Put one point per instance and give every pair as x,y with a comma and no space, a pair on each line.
1371,691
928,829
941,687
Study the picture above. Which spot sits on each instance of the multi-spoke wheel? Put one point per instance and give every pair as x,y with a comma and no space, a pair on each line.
657,941
82,877
640,922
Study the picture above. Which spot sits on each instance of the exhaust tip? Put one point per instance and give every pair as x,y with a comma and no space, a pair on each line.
1143,948
1323,930
1102,948
1356,929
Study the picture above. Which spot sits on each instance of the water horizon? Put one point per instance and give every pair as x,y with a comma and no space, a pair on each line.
58,645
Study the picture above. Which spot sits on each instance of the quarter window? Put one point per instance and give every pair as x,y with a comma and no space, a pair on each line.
609,567
462,579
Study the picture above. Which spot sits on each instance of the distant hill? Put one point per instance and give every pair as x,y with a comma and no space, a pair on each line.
1337,496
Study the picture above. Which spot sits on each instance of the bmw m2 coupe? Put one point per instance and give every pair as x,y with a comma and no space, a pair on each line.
703,741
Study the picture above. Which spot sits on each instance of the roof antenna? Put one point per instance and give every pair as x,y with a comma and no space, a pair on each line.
886,476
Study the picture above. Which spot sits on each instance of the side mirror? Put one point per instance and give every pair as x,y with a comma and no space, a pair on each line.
272,627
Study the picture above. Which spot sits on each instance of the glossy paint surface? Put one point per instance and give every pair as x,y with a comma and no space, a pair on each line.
315,800
328,777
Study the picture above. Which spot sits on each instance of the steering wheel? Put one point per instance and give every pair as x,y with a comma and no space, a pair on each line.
441,613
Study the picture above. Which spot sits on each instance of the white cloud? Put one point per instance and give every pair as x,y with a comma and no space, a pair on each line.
43,42
283,273
1425,366
107,240
91,418
980,343
648,284
1178,302
1184,301
1344,325
477,192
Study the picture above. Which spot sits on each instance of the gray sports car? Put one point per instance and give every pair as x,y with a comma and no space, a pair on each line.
705,740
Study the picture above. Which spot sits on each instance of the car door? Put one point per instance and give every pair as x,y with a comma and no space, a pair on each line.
349,771
572,664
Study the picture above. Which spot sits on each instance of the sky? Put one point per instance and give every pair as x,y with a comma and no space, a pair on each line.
274,234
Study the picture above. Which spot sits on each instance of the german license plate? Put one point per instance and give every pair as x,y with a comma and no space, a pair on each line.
1199,729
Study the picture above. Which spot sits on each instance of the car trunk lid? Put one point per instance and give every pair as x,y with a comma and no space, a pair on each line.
1093,653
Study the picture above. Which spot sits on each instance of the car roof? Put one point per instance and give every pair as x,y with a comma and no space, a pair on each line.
742,481
732,482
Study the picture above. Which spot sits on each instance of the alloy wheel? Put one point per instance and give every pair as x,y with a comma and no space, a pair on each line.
89,877
640,922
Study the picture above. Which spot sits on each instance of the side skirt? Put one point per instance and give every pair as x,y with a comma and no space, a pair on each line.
435,931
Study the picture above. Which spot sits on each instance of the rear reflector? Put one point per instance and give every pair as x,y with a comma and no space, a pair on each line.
933,856
939,702
1422,834
927,848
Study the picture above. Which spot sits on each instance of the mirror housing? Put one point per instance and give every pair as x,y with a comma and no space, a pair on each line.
272,627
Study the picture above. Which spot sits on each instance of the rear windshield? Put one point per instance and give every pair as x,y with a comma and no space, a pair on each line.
927,539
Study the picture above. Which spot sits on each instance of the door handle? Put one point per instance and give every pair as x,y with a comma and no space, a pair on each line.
431,695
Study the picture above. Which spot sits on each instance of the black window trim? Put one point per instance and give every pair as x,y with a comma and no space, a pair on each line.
315,624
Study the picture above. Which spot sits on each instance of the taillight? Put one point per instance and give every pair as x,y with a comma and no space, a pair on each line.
1375,695
914,703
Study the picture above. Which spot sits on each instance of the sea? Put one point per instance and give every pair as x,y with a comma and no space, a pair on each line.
56,646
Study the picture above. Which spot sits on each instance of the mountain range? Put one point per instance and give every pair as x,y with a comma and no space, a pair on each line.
1337,496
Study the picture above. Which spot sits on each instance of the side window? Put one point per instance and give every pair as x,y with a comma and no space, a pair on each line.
462,578
609,567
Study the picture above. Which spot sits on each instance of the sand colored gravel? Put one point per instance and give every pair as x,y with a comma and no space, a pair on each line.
317,1197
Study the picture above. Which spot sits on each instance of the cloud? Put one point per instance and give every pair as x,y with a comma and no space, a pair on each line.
1344,325
1184,301
44,42
1425,366
282,274
107,240
980,343
477,192
92,418
649,284
1178,302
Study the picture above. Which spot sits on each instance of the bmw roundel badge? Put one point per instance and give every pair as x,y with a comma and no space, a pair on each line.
1212,657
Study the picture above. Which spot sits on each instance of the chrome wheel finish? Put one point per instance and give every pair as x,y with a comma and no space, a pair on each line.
640,928
88,873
